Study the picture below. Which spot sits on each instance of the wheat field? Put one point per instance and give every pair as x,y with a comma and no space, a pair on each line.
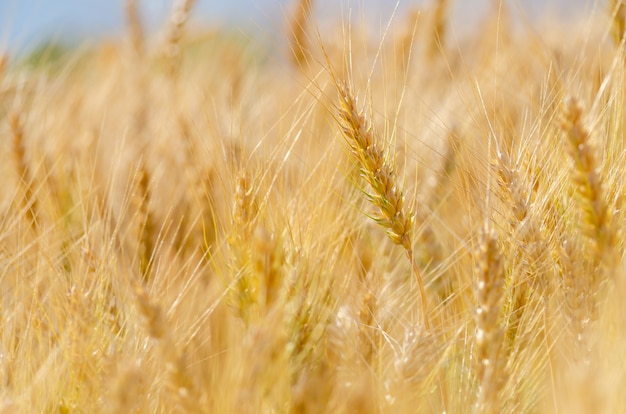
393,221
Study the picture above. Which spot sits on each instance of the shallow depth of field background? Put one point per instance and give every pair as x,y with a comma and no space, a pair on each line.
25,23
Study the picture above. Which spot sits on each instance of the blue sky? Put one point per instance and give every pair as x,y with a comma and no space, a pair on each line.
24,23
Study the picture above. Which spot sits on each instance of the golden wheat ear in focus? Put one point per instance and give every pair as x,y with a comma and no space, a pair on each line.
378,172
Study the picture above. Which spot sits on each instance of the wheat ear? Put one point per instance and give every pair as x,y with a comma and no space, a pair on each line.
179,381
586,177
174,36
299,25
28,200
4,63
439,27
147,227
488,336
379,173
135,27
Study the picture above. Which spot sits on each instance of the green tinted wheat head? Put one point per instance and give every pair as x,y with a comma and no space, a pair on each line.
379,173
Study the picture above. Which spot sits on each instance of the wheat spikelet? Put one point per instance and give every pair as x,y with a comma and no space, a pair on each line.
488,336
379,174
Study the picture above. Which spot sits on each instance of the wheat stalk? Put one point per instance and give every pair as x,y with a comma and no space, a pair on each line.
379,173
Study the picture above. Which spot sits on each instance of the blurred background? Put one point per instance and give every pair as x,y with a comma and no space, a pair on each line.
26,24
